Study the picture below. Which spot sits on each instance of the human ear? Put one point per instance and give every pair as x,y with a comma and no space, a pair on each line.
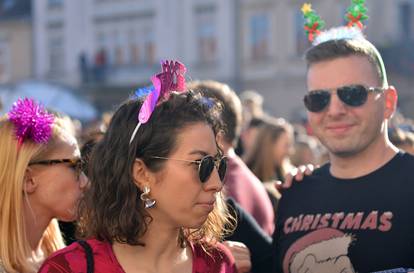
391,98
30,182
220,140
141,174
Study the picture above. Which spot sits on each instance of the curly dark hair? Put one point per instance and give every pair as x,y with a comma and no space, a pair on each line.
111,209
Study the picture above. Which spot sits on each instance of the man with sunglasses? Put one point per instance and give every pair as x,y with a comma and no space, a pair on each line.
353,214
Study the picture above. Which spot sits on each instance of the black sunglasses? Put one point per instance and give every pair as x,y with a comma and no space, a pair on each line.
75,163
206,166
352,95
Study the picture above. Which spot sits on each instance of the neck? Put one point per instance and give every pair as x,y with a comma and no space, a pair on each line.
227,148
364,162
160,253
35,223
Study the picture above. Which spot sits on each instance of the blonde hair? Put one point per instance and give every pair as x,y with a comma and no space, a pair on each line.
15,252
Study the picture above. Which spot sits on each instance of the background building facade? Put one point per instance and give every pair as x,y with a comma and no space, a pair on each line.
110,46
15,40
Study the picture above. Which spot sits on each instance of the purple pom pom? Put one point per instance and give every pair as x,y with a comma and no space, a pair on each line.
31,120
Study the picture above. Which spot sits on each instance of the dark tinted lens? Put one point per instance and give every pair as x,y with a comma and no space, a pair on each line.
222,168
206,168
316,101
353,95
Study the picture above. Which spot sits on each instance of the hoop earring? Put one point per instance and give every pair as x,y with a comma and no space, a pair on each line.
148,202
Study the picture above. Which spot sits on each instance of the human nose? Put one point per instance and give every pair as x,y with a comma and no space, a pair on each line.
336,106
213,183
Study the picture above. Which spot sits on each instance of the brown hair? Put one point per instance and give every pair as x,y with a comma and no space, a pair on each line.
260,161
333,49
111,209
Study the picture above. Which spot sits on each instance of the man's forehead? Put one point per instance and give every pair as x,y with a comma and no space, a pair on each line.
341,71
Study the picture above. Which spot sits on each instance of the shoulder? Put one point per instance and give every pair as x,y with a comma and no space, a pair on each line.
216,259
322,170
405,158
318,177
73,258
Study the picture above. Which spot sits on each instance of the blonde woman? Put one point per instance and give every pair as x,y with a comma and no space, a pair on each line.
40,181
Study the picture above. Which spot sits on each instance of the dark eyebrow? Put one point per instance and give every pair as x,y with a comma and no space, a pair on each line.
202,153
198,152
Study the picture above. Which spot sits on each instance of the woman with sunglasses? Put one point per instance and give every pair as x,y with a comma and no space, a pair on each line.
40,181
154,203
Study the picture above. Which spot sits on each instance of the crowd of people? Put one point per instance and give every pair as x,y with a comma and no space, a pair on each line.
194,177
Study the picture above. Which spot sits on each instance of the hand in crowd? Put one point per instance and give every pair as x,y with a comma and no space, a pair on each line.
241,255
297,174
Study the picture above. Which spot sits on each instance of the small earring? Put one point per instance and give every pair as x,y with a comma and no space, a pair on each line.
149,203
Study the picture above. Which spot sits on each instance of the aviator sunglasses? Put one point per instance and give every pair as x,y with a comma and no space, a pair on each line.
352,95
205,166
75,163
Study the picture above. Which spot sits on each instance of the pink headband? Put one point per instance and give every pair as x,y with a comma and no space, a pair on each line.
170,79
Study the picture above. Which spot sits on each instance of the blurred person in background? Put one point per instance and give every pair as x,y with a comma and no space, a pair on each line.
252,111
252,103
305,151
404,140
41,180
136,216
248,136
240,183
269,159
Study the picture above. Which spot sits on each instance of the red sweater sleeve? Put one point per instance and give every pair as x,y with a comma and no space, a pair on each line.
67,260
218,260
72,259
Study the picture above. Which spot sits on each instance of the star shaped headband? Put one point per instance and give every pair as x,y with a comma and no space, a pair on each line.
355,16
170,79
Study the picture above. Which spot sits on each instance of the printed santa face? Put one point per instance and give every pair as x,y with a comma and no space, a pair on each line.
322,251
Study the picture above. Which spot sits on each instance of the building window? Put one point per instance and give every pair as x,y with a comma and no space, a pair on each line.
100,57
8,4
56,54
206,33
134,53
5,64
119,56
127,42
113,48
149,47
55,3
133,47
406,21
301,39
259,37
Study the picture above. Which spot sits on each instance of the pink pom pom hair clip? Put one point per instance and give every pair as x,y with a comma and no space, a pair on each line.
31,121
170,79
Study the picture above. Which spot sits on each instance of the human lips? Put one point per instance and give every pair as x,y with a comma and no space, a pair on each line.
339,128
207,204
